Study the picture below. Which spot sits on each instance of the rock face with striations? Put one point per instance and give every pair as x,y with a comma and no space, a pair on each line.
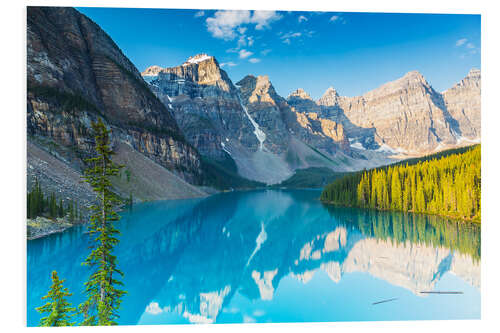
268,109
205,104
75,74
463,102
318,131
248,123
404,116
407,114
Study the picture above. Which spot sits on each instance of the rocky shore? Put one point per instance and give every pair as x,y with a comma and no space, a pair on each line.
42,226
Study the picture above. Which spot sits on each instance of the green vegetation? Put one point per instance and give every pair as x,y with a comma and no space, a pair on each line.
310,178
103,295
223,175
128,174
68,101
57,307
39,204
447,184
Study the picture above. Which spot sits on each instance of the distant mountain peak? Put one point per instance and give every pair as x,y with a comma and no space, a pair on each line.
197,59
474,72
152,70
299,93
329,98
410,78
331,91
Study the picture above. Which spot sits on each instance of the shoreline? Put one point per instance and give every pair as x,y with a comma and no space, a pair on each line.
453,218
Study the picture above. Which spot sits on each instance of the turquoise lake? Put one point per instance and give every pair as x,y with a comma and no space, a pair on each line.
273,256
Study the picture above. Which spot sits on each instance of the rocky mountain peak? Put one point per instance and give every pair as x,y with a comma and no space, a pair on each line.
329,98
299,94
258,89
472,80
196,59
463,102
414,75
410,79
474,73
413,80
151,71
201,69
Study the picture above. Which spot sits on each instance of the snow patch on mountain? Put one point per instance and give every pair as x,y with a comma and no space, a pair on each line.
197,59
259,134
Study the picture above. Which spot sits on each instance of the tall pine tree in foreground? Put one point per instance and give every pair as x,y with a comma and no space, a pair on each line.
58,309
103,295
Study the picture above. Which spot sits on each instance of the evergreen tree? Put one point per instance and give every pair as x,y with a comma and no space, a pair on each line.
52,206
58,309
448,183
103,295
61,208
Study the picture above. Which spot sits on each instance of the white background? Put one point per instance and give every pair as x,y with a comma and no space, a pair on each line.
13,160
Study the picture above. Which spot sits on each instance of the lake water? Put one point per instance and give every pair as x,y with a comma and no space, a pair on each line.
273,256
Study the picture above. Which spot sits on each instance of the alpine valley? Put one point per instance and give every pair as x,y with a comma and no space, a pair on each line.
189,194
189,130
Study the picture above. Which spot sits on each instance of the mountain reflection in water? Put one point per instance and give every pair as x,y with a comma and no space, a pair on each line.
274,255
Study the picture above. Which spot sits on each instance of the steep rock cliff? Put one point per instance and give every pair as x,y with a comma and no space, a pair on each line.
205,104
76,73
463,102
406,116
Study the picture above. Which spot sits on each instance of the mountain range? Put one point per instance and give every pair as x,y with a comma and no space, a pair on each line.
402,118
195,130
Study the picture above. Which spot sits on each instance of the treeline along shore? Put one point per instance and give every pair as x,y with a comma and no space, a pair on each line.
447,184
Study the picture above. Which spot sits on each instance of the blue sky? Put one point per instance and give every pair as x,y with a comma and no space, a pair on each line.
353,52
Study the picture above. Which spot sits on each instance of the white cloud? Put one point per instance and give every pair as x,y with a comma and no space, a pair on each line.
250,40
223,23
228,64
228,24
242,41
199,13
254,60
302,18
287,37
244,53
265,52
467,48
337,19
263,18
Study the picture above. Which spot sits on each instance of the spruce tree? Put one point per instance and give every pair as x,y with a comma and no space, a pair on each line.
61,208
103,295
58,309
448,185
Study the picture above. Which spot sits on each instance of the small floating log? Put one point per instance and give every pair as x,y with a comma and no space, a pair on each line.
443,292
385,301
